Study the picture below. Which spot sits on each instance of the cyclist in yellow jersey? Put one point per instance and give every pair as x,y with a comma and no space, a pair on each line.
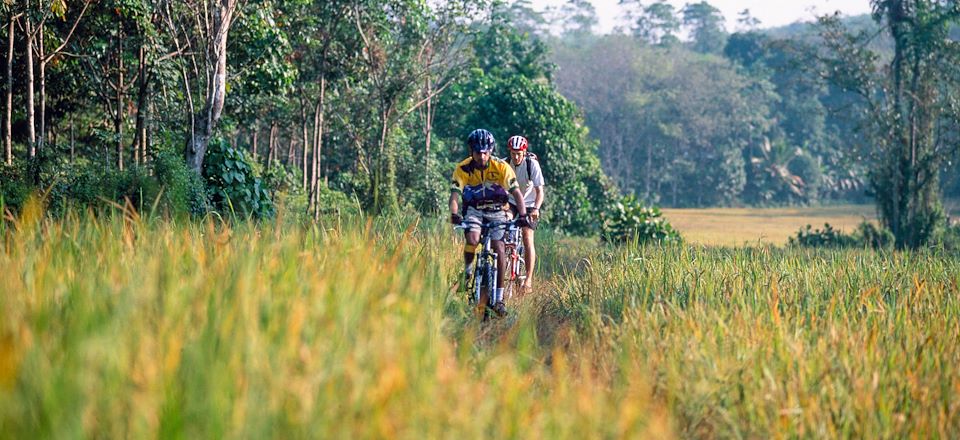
485,185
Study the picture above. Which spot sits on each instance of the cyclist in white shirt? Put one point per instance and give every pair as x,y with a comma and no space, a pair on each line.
530,178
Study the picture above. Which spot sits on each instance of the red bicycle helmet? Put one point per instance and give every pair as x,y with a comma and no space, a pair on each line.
517,143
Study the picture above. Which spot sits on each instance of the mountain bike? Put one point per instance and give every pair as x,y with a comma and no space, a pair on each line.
516,264
483,280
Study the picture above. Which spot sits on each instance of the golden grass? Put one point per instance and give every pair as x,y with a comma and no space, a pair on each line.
761,226
126,327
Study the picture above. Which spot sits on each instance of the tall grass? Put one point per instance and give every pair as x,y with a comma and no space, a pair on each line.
120,326
790,343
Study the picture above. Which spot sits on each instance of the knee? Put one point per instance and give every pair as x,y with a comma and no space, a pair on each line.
472,240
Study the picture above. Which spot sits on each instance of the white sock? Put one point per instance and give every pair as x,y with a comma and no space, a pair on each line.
498,296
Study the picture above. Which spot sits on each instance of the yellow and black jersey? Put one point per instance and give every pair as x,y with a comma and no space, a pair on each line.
482,187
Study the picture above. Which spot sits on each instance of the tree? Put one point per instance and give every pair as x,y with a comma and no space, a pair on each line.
44,57
673,125
510,96
911,107
747,21
705,24
658,24
200,30
579,17
8,116
395,39
528,20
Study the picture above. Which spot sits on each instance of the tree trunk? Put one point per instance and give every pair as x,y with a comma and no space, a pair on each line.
649,173
41,57
291,147
317,150
273,144
206,120
255,139
31,122
145,142
72,139
118,116
305,138
427,131
8,116
140,132
381,162
198,145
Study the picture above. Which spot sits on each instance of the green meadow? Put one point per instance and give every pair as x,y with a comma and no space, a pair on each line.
122,326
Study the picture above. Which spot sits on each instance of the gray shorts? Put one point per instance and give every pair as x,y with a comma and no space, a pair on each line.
475,218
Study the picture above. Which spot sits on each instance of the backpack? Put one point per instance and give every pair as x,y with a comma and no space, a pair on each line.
530,156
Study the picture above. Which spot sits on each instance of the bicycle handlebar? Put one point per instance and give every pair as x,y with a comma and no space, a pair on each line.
488,226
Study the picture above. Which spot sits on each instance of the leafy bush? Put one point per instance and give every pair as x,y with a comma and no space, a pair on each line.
332,201
628,221
232,182
279,179
827,237
184,191
85,183
284,186
89,184
871,235
15,185
948,238
867,234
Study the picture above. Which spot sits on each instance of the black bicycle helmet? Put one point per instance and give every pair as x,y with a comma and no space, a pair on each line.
481,141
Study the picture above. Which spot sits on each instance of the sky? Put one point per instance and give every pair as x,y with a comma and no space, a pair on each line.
771,13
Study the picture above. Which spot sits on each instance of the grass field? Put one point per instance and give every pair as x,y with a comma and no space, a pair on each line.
760,226
125,327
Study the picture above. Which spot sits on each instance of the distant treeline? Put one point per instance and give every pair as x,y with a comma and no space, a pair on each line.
725,118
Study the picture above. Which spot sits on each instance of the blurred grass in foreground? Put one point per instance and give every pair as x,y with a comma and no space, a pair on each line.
124,327
120,326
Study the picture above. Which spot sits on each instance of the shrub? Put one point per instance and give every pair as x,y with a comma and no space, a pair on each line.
628,221
89,184
948,238
871,235
15,185
232,183
184,190
867,234
827,237
279,179
332,201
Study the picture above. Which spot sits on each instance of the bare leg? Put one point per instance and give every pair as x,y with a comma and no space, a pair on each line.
469,250
529,255
498,247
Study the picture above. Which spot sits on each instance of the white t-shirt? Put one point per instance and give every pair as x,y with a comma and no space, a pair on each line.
527,182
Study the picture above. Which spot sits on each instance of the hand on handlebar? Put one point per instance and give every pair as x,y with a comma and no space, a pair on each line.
523,221
456,218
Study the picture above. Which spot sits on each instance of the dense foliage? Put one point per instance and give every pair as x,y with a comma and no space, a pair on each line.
370,101
235,188
682,128
344,105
